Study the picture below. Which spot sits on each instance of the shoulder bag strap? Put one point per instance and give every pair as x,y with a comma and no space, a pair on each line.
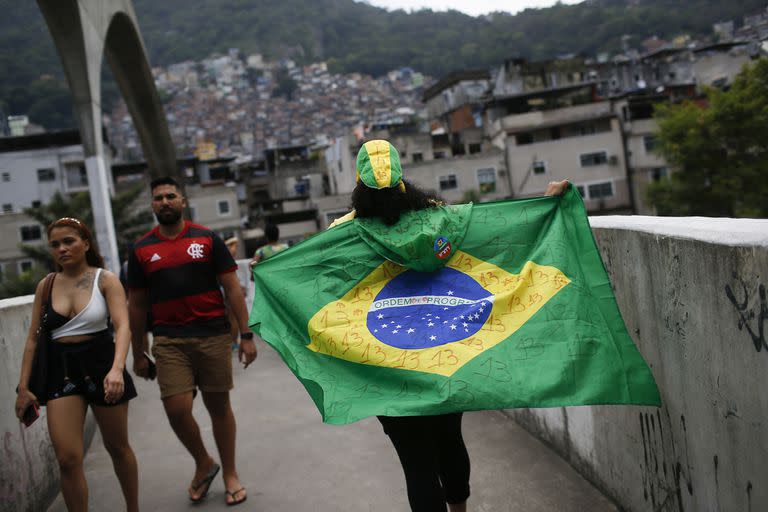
47,290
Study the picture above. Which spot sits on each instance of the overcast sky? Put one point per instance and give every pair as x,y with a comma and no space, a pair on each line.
473,7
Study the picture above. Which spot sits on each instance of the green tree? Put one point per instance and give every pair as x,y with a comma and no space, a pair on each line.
21,284
285,85
719,150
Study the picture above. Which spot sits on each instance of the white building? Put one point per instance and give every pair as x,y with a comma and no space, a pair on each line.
32,169
17,229
582,143
457,179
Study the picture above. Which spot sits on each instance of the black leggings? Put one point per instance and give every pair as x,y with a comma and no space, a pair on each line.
434,459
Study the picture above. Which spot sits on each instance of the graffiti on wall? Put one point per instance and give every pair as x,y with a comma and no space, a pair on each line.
752,309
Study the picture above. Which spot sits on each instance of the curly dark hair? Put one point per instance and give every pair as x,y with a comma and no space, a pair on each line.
388,203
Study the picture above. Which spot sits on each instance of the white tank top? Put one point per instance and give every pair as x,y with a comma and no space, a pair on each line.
92,318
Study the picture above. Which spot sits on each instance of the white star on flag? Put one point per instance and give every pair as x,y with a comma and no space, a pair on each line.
430,324
450,292
380,316
453,327
394,332
432,338
410,331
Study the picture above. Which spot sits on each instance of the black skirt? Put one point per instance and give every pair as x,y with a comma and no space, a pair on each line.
80,368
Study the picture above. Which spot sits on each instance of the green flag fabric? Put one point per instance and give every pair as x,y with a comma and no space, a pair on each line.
456,308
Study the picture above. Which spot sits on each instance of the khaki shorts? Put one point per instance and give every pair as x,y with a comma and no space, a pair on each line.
186,363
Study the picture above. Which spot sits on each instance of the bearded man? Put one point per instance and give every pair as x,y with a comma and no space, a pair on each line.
178,270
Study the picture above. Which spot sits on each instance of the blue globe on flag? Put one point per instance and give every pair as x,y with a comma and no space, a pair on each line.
417,310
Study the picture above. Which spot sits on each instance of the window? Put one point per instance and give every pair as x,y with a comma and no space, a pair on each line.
7,208
649,142
6,176
580,188
600,190
524,138
46,175
192,213
486,178
659,173
30,233
539,167
223,207
36,204
448,182
439,154
592,159
418,157
25,266
77,176
301,187
474,148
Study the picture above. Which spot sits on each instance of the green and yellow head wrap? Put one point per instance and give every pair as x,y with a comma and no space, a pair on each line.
378,165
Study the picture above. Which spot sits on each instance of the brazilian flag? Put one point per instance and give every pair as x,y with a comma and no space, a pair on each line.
454,308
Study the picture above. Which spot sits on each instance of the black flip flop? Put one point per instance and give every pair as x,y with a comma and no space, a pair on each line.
205,484
233,493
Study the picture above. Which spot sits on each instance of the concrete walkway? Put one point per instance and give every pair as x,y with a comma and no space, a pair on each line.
290,461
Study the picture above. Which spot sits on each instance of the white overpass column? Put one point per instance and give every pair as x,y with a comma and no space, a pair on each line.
104,224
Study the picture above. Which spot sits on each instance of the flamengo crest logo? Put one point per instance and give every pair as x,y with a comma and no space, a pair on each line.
195,250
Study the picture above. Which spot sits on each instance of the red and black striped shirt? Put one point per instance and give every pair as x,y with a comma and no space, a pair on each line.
181,277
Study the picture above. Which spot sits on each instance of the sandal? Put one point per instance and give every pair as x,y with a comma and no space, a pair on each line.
204,484
233,493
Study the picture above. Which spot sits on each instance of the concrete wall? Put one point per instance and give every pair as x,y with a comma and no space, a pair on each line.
693,294
29,474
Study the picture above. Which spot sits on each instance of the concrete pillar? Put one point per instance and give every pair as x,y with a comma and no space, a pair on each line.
84,30
104,227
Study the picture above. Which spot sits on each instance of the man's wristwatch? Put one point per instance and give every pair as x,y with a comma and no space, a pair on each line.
246,335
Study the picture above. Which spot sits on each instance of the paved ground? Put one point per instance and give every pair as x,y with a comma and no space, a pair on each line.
290,461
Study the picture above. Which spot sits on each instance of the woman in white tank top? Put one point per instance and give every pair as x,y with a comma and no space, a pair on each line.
85,366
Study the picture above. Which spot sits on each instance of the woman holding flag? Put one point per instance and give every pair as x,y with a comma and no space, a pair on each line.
430,448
